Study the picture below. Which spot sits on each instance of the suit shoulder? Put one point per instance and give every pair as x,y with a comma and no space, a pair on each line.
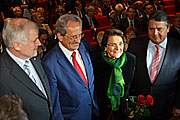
131,57
51,54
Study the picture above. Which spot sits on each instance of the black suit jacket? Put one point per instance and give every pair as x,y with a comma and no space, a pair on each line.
114,20
173,32
102,73
124,24
13,80
19,3
86,25
166,88
82,12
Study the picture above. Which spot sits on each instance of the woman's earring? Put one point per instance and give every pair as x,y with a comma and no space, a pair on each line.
105,53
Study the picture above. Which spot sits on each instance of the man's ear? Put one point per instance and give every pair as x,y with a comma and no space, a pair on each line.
16,46
59,36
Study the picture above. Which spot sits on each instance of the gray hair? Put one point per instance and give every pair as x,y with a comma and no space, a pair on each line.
119,7
17,30
61,23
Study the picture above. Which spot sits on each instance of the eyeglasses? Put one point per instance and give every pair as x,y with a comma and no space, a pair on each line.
74,37
115,45
150,8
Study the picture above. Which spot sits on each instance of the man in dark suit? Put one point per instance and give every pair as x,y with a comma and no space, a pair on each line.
89,22
163,80
69,69
149,11
175,29
21,71
78,9
130,20
115,17
107,7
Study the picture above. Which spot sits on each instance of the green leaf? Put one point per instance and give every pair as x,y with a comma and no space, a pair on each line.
146,113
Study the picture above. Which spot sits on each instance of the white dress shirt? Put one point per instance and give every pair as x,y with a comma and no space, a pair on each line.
68,54
151,51
130,22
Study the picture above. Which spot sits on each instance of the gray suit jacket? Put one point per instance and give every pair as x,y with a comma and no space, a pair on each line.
13,80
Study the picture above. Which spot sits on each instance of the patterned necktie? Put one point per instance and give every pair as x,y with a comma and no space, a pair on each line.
155,64
78,68
28,72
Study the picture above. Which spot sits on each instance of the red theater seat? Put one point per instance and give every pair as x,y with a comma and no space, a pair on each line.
169,2
103,21
103,28
171,9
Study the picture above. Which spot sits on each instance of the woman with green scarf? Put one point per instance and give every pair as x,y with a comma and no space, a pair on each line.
113,72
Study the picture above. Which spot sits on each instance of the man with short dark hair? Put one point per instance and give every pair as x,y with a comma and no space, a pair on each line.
130,20
158,67
89,22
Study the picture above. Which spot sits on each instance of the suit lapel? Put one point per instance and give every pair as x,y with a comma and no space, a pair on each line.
64,62
145,46
21,76
86,62
167,58
41,74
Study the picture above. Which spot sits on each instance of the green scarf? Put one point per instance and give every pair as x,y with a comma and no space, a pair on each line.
116,83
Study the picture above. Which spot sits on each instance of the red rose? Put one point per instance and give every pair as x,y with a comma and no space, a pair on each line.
150,100
141,99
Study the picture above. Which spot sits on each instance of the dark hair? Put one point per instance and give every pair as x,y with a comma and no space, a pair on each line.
77,3
131,6
11,108
111,32
145,5
42,31
160,16
89,8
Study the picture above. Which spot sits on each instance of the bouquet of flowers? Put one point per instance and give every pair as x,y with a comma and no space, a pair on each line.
140,106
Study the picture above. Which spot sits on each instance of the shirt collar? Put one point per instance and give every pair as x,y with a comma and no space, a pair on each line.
130,20
163,44
19,61
67,52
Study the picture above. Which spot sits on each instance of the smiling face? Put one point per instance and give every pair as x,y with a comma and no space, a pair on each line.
114,46
131,13
157,31
72,38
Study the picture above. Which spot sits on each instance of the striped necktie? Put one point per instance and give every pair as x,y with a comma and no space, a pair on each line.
28,72
155,64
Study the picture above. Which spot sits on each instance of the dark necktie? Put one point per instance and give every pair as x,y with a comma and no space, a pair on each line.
91,23
155,64
131,23
78,68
